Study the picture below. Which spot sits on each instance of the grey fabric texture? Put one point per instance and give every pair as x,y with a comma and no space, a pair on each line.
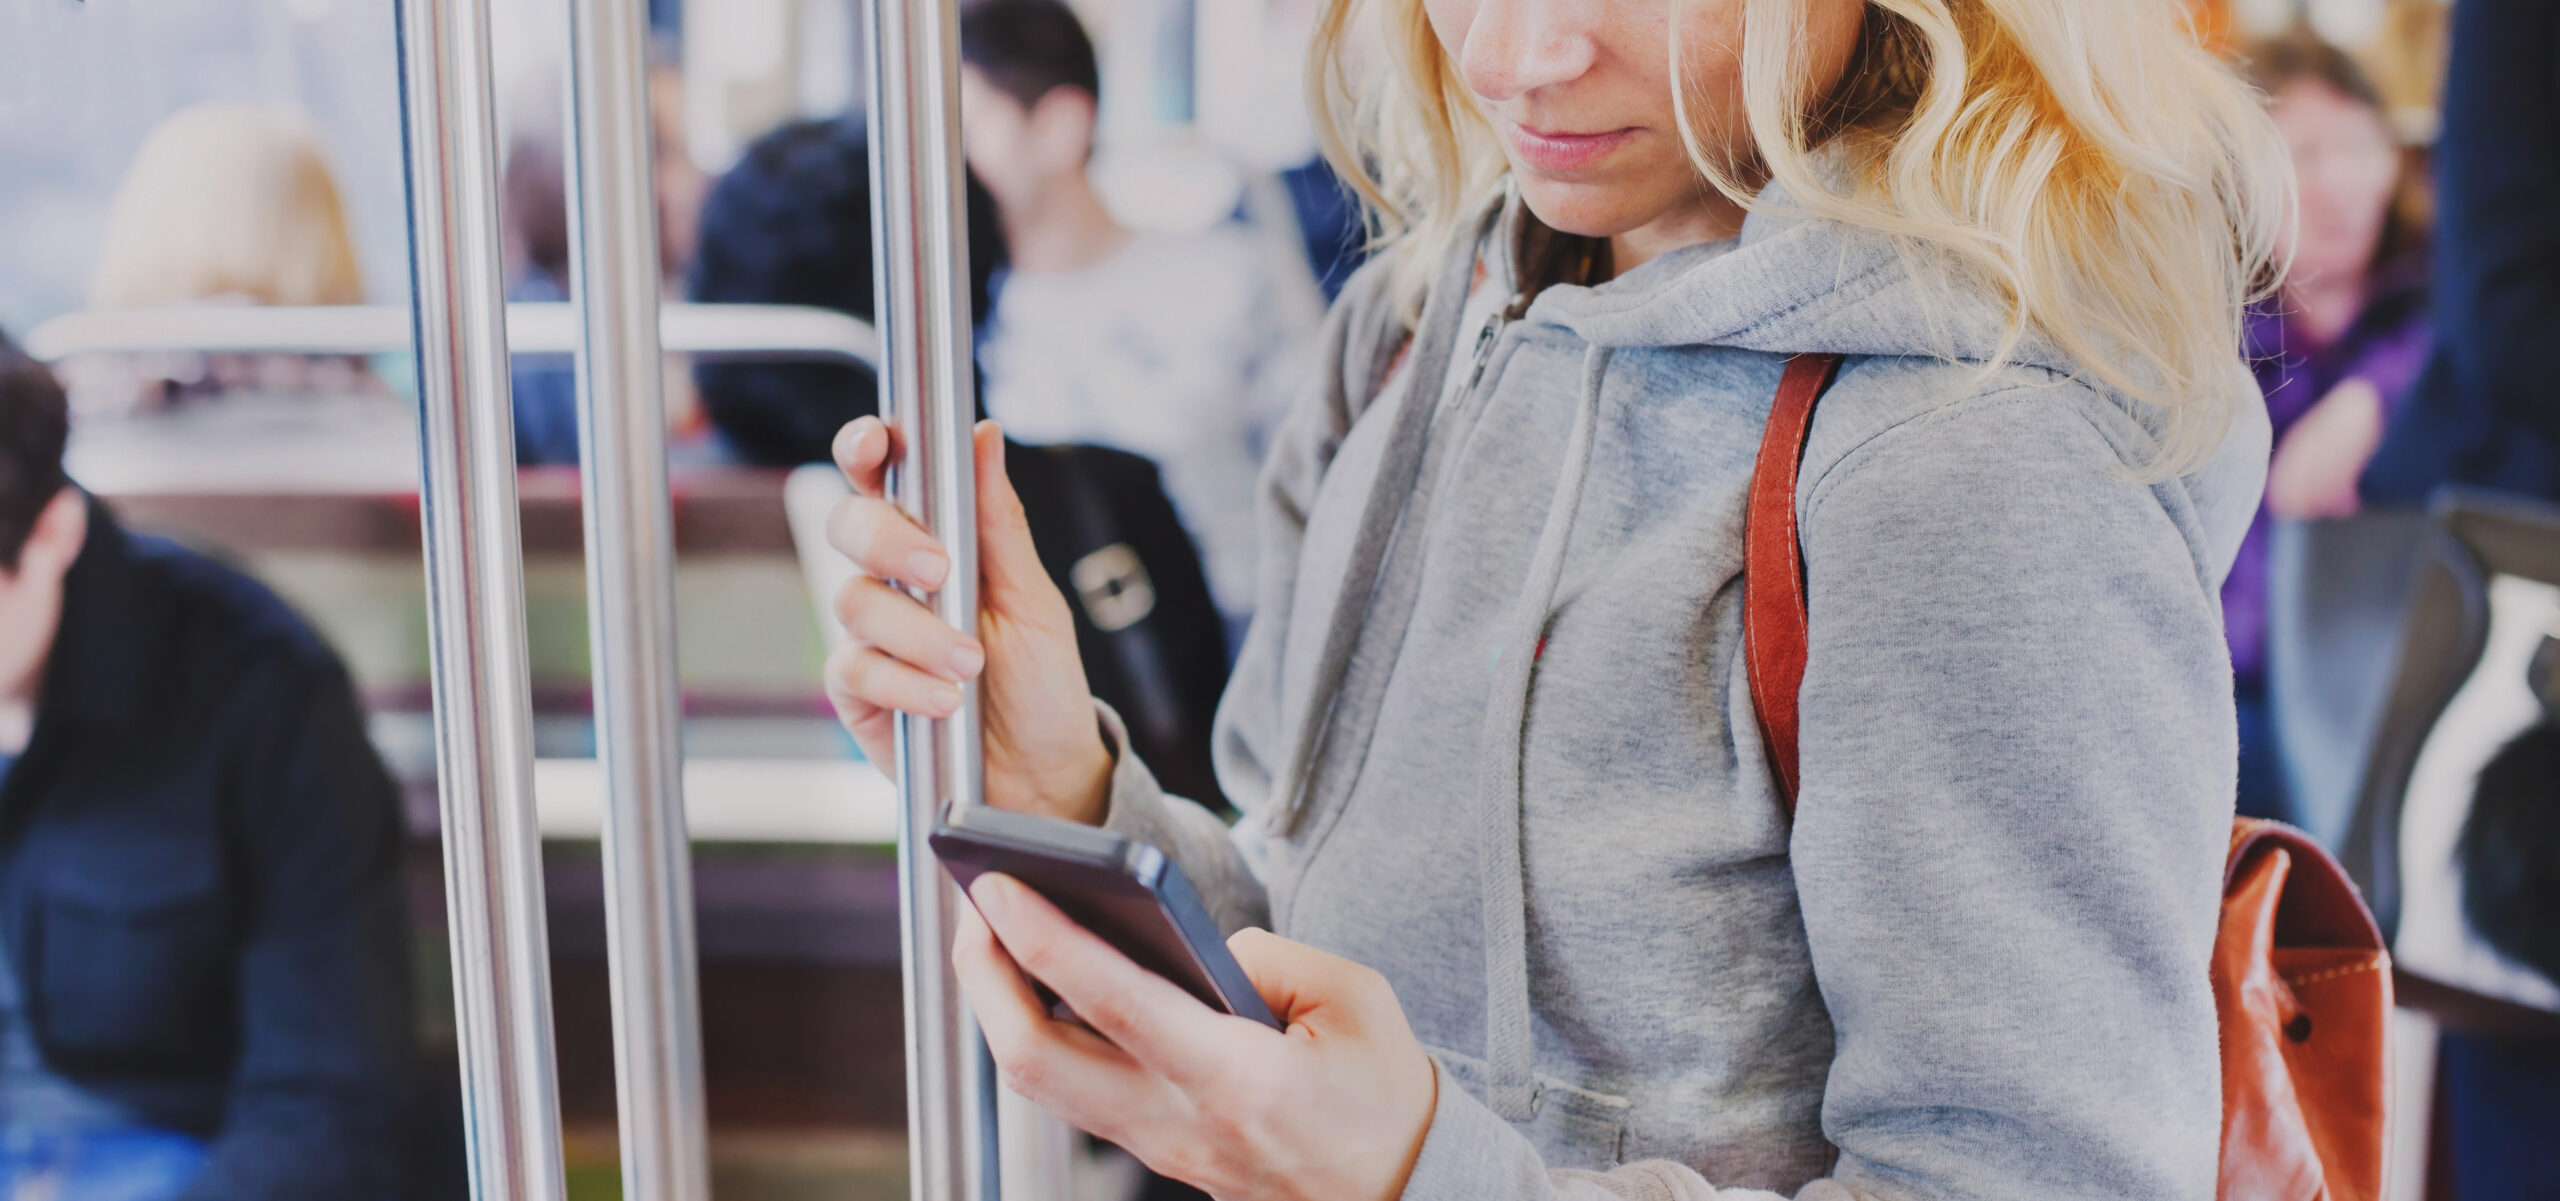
1514,765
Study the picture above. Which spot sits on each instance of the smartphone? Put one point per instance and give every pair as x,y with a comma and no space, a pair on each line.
1122,890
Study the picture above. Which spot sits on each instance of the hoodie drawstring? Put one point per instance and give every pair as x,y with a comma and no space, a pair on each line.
1510,1038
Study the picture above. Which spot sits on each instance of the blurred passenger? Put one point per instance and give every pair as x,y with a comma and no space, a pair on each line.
1250,105
1329,223
791,224
224,204
534,203
1164,344
2335,351
2487,413
204,983
681,185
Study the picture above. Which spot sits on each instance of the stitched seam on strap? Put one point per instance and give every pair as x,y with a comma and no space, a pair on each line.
2377,963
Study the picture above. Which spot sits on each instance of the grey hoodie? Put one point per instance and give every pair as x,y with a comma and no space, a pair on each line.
1491,735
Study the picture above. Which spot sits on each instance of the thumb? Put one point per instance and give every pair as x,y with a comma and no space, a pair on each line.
1303,985
1007,561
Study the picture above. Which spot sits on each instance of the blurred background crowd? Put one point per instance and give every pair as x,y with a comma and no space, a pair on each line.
223,968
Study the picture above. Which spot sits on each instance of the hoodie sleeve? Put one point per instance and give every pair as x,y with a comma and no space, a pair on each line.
1247,741
2018,765
2018,762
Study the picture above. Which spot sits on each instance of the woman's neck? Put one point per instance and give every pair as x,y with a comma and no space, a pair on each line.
2324,306
1713,218
1068,230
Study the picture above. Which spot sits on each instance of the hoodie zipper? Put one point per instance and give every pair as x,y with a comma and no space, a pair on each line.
1485,340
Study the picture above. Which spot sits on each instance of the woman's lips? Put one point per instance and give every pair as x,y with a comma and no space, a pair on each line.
1551,150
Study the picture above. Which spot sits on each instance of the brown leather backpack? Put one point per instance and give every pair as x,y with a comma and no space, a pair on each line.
2300,978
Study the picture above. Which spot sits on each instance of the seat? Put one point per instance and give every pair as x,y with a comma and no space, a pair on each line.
2487,591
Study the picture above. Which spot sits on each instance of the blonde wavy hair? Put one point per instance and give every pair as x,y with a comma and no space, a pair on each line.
228,200
2090,161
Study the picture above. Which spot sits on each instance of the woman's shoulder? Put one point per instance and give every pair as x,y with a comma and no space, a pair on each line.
1993,445
1882,408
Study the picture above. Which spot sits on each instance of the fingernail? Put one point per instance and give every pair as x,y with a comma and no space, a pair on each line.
946,700
967,660
994,895
926,567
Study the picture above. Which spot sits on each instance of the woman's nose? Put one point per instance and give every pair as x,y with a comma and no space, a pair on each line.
1514,47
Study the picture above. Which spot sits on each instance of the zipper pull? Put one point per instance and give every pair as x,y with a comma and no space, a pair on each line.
1484,349
1493,326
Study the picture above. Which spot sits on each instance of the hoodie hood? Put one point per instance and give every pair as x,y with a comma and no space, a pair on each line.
1795,284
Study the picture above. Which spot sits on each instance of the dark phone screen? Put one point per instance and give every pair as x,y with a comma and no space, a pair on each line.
1125,893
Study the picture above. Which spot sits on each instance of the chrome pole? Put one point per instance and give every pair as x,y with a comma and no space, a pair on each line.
631,627
919,228
1036,1152
475,597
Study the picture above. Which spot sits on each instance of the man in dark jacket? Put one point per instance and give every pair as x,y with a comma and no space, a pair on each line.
2487,413
203,954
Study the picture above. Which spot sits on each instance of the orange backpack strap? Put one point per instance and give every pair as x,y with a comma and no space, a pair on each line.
1773,605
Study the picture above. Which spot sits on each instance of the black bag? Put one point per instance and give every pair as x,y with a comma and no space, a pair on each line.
1153,645
2510,850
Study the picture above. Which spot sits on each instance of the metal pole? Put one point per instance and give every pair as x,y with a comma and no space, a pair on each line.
613,249
919,228
1036,1150
475,593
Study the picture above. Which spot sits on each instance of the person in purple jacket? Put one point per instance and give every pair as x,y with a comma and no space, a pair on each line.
2335,350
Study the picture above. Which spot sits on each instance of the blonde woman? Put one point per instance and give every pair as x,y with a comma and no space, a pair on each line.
224,203
1540,926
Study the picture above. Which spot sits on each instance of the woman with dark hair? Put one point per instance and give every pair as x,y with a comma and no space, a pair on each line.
2335,349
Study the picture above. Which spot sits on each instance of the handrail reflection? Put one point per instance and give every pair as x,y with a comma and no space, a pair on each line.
725,332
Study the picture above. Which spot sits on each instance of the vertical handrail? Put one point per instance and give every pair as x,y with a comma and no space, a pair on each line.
1036,1152
919,228
631,628
475,597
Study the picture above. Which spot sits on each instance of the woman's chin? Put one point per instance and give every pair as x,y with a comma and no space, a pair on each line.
1587,207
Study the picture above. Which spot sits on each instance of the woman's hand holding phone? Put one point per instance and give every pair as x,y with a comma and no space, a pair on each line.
1044,751
1335,1109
